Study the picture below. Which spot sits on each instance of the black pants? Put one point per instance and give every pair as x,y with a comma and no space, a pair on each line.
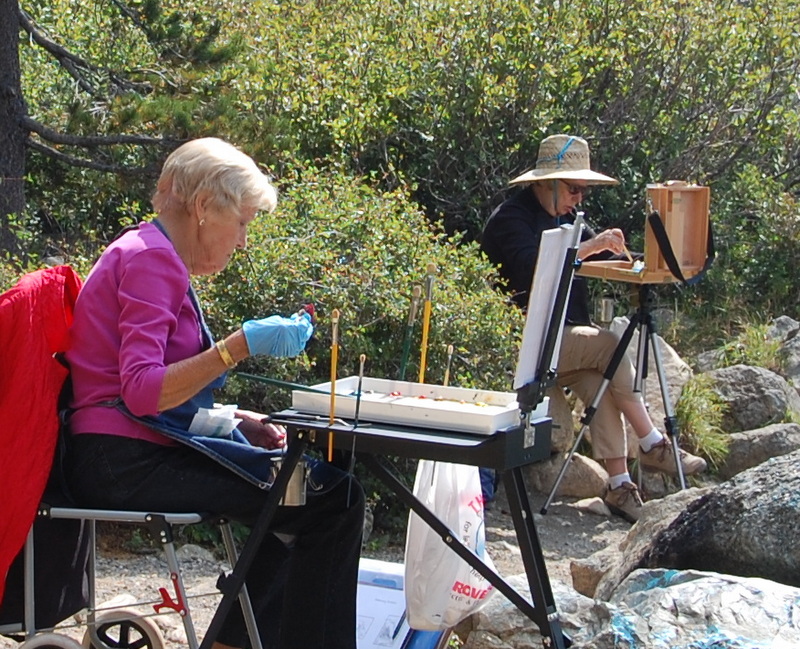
303,591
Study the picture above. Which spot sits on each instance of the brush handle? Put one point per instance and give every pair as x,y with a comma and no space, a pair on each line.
334,363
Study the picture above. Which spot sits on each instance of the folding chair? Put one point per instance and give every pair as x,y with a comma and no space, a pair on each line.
35,316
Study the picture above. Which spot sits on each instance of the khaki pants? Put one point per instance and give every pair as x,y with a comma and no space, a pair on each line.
584,357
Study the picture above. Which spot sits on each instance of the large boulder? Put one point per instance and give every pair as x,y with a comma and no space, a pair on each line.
664,608
754,397
652,609
747,526
656,516
752,447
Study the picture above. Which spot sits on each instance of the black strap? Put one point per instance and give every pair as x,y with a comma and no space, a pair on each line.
662,238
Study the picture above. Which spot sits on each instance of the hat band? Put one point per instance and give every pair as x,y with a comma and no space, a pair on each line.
558,158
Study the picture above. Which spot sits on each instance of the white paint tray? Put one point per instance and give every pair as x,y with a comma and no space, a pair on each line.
422,405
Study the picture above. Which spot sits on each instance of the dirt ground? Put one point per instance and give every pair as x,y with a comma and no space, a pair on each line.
564,533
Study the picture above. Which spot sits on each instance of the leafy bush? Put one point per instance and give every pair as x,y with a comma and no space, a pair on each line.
752,347
340,244
700,412
451,99
337,242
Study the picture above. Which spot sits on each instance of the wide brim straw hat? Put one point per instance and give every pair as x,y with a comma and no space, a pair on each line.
564,157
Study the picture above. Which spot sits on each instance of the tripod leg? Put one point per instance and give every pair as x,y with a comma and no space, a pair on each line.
640,375
565,465
670,421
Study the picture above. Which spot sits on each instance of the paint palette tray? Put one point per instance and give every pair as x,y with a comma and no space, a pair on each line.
417,404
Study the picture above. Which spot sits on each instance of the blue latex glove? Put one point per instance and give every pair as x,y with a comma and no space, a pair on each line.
278,336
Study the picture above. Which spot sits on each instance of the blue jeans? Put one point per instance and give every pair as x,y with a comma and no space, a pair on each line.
488,483
303,593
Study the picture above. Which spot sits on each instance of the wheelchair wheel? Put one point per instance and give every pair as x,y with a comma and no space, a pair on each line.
123,629
50,641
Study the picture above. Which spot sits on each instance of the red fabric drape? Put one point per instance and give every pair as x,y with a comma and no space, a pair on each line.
35,316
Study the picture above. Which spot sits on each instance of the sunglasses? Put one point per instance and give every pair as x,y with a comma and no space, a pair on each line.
574,190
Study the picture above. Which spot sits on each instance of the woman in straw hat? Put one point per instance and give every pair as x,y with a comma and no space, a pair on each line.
547,197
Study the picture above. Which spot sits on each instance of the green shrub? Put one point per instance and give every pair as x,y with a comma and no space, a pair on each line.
341,244
700,412
752,347
337,242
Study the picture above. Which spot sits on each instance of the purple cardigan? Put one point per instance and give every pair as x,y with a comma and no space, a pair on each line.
132,318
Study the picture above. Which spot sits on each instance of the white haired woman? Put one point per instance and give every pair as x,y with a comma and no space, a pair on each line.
143,363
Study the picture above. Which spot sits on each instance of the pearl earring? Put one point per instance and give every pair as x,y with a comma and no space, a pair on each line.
202,222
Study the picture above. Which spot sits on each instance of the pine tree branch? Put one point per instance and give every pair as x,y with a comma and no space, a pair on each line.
78,68
72,63
56,137
151,36
74,161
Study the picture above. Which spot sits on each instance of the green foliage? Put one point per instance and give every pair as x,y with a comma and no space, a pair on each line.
340,244
759,248
752,347
700,412
451,99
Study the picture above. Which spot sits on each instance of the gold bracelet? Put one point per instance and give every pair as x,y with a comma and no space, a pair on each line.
222,348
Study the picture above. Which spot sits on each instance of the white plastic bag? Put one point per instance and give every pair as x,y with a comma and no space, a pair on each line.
441,588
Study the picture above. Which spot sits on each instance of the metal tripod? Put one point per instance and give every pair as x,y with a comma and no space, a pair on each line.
644,321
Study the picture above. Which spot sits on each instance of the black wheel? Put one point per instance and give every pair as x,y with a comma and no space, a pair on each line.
123,629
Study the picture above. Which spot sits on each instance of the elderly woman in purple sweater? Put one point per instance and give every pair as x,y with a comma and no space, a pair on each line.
143,363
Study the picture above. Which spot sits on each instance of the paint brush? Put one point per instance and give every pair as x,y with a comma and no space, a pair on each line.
447,366
627,253
334,362
412,316
426,320
361,360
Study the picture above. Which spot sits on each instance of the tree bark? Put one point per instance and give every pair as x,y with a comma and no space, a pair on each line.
12,134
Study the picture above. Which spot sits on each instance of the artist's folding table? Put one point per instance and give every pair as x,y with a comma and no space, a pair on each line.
507,451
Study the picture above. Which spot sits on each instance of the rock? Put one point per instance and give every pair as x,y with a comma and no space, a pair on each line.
709,360
754,396
783,328
592,506
752,447
656,516
790,357
586,573
652,609
501,624
563,434
704,609
584,477
747,526
190,551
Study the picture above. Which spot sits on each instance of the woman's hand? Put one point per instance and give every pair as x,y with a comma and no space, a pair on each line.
278,336
259,431
612,239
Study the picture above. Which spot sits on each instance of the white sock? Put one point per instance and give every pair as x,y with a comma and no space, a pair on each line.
650,440
616,481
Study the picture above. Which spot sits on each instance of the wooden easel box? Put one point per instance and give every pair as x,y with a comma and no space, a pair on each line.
684,210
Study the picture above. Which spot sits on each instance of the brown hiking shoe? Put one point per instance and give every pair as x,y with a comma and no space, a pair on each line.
624,501
661,459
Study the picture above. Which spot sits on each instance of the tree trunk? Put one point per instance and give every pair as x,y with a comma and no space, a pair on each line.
12,135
